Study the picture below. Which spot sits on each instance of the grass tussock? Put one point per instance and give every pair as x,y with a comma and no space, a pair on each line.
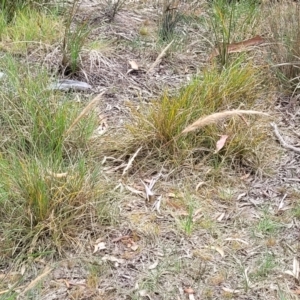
170,18
30,29
50,189
283,20
10,7
158,127
231,21
73,41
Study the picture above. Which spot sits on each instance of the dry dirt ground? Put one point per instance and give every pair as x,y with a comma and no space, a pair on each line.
237,240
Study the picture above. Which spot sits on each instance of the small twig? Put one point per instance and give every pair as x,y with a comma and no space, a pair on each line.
34,282
159,57
287,64
282,141
129,165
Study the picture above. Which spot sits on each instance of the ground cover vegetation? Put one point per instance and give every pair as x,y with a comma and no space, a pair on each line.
174,174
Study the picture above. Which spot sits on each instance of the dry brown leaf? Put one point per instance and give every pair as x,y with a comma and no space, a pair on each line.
189,290
113,259
153,266
201,183
296,269
220,143
219,250
213,118
240,46
220,217
173,204
157,204
197,215
135,191
148,188
99,246
134,246
133,65
120,238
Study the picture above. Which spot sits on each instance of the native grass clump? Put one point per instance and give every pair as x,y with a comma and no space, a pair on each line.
39,31
29,30
75,36
49,185
231,21
9,8
158,127
283,20
169,20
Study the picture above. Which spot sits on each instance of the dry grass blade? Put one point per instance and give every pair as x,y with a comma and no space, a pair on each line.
282,141
34,282
129,165
57,175
211,119
90,106
159,57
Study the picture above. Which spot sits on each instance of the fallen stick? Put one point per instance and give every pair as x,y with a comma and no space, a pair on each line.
159,57
282,141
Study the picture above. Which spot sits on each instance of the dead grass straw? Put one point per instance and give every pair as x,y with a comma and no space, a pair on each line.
88,108
213,118
159,57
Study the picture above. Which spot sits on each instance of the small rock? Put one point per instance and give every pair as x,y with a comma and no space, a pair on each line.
67,85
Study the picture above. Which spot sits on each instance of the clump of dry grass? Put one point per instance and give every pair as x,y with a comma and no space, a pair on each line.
169,20
50,188
231,21
158,127
10,7
111,8
30,29
283,20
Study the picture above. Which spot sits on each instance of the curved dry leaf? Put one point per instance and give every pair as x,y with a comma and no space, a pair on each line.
153,266
240,46
99,246
189,290
133,65
220,143
113,259
219,250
